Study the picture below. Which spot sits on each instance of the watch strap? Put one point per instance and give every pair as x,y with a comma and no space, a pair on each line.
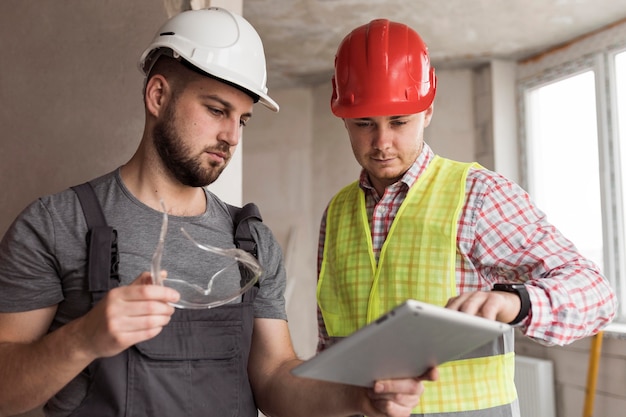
522,293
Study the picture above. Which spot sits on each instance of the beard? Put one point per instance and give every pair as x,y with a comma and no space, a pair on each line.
177,158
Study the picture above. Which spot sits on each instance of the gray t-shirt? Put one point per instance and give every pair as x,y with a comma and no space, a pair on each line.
43,254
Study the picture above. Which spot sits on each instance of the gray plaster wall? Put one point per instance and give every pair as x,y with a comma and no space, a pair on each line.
70,92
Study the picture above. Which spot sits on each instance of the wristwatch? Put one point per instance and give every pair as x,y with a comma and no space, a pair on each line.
522,293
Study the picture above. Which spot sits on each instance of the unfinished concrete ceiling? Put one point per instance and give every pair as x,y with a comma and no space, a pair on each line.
301,36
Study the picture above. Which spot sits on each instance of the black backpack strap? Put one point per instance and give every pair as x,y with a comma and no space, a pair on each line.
102,254
243,236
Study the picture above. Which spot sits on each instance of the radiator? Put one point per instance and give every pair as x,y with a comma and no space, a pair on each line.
534,379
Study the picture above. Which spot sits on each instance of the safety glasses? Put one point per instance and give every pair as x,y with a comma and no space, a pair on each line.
231,273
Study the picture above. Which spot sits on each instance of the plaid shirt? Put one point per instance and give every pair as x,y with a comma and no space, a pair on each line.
503,237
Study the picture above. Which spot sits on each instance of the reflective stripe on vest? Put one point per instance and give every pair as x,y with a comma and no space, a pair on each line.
416,261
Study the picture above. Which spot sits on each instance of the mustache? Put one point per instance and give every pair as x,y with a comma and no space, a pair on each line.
221,149
380,155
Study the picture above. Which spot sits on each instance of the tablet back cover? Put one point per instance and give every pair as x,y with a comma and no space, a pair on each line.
404,342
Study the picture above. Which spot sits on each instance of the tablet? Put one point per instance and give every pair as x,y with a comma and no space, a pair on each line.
403,343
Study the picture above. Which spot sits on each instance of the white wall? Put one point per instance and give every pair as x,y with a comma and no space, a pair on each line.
451,132
278,176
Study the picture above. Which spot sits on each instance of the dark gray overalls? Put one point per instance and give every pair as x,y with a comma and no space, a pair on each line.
196,367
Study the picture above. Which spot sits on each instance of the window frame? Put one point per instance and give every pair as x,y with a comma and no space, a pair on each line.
602,63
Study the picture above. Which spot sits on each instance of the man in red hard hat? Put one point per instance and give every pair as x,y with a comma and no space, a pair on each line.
419,226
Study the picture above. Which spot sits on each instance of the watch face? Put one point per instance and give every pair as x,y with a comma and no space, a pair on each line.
509,287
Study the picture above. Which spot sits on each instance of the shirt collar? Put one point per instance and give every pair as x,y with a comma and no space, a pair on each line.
410,176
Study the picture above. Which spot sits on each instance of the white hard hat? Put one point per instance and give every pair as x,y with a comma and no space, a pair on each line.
217,42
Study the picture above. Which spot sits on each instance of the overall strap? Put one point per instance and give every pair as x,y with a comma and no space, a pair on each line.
102,255
243,236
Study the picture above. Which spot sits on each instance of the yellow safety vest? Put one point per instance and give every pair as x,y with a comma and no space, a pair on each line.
416,261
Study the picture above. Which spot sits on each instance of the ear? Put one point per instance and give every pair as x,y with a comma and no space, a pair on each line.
428,114
157,90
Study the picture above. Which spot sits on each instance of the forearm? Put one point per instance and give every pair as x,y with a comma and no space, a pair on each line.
573,302
285,395
513,241
33,372
279,393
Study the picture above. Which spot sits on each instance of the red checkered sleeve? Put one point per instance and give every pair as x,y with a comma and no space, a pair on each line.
503,236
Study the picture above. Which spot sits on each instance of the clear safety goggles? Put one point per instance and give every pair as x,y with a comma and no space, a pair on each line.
233,272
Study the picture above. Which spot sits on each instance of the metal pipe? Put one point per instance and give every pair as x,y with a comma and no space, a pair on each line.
592,374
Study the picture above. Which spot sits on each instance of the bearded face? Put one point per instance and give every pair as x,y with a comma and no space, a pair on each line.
186,165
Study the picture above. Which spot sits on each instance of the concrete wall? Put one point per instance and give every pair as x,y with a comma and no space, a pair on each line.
70,97
571,364
296,160
71,105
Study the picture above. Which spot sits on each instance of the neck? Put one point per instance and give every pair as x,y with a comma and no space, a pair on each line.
151,184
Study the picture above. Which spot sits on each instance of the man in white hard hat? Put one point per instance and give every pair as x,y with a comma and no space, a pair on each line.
84,347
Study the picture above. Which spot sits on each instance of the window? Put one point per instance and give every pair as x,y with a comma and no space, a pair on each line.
620,83
562,139
573,118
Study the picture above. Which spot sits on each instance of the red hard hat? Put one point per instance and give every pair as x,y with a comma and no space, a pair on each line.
382,69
